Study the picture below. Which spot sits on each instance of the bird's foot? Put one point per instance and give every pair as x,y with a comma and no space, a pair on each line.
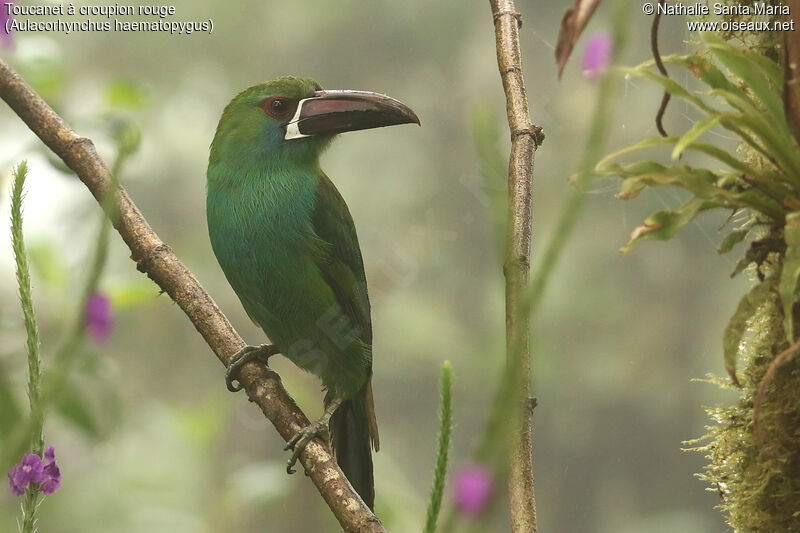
299,442
316,429
261,353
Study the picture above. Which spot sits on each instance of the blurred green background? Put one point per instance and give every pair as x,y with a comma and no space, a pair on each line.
152,441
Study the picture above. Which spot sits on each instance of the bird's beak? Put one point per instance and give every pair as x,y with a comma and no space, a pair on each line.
330,112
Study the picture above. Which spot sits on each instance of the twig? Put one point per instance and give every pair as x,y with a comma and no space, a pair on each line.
517,262
157,260
661,68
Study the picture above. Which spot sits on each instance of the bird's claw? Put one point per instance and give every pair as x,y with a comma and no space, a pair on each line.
261,353
299,442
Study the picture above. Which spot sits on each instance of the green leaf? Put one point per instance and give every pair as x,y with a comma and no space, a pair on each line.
726,190
663,225
737,325
777,143
790,272
773,127
652,142
707,149
670,85
738,124
731,240
699,66
757,72
769,68
705,71
698,181
699,128
636,177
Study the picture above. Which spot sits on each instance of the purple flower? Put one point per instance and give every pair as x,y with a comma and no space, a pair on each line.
99,320
6,39
52,475
31,471
597,56
473,486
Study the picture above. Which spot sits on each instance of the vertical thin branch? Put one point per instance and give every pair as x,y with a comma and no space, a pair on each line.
524,140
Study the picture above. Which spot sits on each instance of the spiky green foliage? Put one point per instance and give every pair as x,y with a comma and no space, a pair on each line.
757,475
445,429
26,301
32,495
753,111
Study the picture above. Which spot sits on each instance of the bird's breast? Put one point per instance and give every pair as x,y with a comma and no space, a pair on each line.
261,232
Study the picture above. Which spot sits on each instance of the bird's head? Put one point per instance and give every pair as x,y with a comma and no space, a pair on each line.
293,119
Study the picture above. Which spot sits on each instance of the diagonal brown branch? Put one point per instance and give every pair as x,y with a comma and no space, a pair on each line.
157,260
524,139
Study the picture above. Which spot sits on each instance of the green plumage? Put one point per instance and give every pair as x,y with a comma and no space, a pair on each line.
286,242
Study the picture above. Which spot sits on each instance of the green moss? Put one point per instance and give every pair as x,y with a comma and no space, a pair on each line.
764,42
758,476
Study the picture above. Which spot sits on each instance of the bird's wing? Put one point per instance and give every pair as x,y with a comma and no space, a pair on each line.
342,266
343,270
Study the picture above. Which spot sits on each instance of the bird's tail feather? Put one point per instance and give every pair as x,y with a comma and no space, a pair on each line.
354,432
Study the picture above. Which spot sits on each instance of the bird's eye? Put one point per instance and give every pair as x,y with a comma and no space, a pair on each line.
277,107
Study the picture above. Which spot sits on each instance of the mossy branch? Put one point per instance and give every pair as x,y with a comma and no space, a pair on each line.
156,259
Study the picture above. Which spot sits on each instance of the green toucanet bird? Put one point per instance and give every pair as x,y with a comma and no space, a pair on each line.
286,241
